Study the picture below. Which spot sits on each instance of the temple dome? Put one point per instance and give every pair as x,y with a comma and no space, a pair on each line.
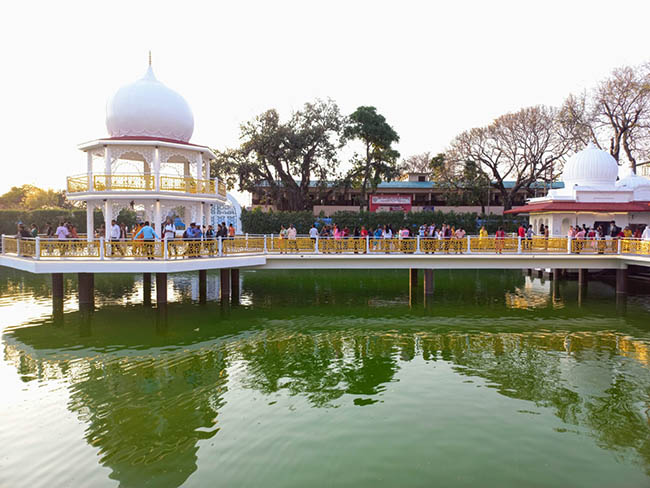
632,182
590,167
147,108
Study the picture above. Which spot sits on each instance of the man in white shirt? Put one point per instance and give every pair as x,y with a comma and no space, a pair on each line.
62,232
115,231
313,232
114,235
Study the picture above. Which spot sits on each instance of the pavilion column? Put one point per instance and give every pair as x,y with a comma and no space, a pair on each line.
199,174
90,220
147,175
107,166
156,169
186,175
157,217
199,220
108,216
89,170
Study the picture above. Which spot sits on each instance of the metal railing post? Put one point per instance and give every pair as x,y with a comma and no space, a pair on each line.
417,245
469,244
102,249
272,243
18,247
618,251
518,244
266,249
568,245
316,246
247,241
3,245
220,246
37,250
368,244
165,249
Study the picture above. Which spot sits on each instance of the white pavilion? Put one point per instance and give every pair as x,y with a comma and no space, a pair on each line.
591,196
147,163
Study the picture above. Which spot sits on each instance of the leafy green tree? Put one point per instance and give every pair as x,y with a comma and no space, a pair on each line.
285,157
379,162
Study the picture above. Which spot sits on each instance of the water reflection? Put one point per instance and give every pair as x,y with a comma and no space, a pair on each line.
149,384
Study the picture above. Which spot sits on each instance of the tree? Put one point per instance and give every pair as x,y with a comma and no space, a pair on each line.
379,161
417,163
622,110
515,151
29,197
615,115
464,181
286,157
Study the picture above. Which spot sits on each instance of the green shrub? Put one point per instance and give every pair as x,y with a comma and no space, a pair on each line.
10,218
258,222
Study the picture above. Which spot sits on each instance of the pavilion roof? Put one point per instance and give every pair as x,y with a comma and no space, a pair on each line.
573,206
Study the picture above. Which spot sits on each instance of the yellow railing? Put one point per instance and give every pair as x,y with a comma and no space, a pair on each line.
69,249
133,249
186,184
179,248
123,182
234,245
297,245
635,246
146,182
494,244
10,245
77,183
594,246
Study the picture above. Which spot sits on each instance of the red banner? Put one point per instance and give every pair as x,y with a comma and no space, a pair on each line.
390,203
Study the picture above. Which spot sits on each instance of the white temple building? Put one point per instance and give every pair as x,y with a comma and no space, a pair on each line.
147,163
591,196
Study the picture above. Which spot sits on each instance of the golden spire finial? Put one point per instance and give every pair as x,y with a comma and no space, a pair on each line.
150,57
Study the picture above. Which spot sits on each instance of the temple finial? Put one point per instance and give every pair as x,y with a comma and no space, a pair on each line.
149,57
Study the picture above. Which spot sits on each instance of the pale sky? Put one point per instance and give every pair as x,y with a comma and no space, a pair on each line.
433,70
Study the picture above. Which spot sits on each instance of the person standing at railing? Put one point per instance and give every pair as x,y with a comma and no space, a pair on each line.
646,233
23,233
148,235
460,235
114,237
292,235
482,238
282,239
499,240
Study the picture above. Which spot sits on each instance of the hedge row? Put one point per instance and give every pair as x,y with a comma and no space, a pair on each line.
259,222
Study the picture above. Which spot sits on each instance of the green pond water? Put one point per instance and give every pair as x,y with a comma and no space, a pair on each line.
326,378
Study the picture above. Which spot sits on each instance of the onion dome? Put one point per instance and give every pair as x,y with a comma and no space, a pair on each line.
147,108
590,167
